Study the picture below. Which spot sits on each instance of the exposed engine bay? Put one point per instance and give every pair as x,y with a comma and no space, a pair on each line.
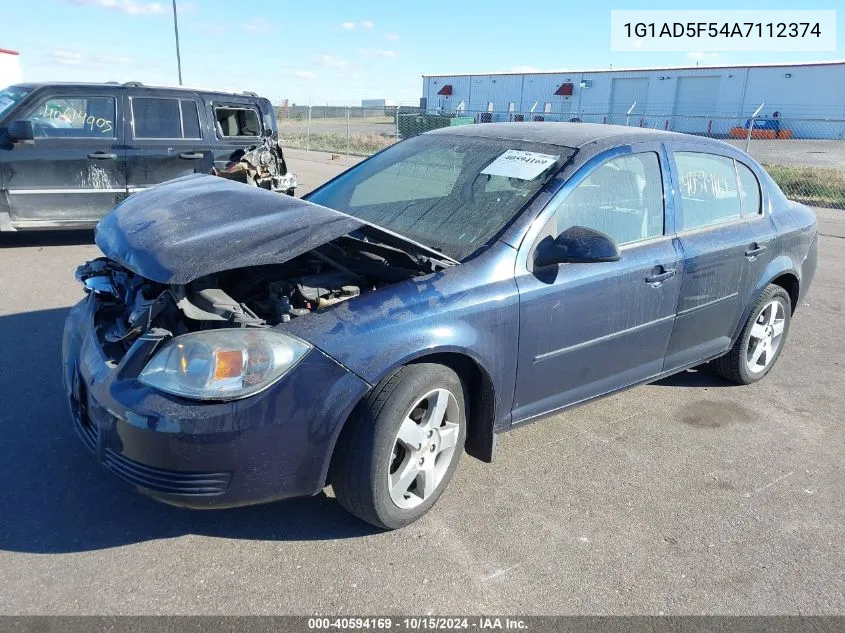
260,165
130,305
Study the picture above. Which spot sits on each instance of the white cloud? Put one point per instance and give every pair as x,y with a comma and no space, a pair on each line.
118,60
71,58
523,69
132,7
258,25
364,24
375,52
699,56
391,36
67,58
332,61
305,74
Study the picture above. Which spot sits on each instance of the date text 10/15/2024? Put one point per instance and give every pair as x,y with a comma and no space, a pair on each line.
421,623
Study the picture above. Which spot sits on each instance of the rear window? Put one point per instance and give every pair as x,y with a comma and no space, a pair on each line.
749,187
165,118
709,189
190,119
237,121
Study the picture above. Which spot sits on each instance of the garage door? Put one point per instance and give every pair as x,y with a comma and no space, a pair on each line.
623,93
696,98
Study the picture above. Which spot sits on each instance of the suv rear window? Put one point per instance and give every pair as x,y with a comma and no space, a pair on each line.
165,118
235,121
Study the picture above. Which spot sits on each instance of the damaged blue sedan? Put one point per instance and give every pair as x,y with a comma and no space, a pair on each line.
236,346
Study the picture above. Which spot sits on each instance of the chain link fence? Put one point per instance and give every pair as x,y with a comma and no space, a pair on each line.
806,157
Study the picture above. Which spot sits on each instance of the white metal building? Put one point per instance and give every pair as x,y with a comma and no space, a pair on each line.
702,99
378,103
10,67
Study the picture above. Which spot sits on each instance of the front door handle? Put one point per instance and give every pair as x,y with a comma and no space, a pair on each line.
755,250
190,155
101,156
661,277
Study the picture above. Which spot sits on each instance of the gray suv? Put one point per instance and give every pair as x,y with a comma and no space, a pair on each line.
70,152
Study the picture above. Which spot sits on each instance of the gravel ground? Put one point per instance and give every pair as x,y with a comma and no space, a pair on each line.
688,496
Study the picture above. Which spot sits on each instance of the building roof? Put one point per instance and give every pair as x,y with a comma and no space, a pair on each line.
642,69
574,135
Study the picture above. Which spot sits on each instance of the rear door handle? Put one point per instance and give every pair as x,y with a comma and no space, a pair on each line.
101,156
191,155
661,277
755,250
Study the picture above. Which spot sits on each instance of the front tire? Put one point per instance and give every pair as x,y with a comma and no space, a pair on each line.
761,341
398,452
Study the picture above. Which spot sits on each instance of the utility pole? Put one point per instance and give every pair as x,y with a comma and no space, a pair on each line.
176,31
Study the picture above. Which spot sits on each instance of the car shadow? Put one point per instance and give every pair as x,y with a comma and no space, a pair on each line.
700,377
56,498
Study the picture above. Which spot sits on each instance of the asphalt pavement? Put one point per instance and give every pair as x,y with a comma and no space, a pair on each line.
688,496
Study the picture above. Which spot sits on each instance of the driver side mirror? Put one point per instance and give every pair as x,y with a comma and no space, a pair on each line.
577,245
21,131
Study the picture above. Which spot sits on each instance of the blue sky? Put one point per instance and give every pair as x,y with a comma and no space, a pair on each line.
329,51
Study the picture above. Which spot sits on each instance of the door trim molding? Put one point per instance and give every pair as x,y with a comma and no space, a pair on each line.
601,339
709,303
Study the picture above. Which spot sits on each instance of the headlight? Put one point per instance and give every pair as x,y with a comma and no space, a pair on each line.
222,364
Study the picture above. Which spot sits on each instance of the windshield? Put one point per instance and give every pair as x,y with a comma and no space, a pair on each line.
10,96
453,193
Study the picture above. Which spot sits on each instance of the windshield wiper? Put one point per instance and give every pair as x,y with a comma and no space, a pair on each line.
390,237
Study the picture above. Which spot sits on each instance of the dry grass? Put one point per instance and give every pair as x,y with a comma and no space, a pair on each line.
811,185
359,144
299,121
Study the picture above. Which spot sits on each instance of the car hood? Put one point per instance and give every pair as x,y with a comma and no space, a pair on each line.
197,225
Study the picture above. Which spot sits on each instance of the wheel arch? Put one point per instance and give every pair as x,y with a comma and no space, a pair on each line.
789,282
480,390
780,272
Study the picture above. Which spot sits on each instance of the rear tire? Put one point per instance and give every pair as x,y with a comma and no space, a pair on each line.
399,450
761,341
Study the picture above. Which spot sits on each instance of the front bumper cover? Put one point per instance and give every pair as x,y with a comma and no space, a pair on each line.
272,445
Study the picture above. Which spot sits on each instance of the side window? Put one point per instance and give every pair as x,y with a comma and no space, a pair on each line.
709,191
156,118
749,189
74,117
190,119
427,175
234,122
622,197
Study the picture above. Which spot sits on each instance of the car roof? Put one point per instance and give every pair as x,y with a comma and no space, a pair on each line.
130,84
573,135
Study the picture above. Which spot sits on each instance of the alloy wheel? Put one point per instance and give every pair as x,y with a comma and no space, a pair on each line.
766,335
423,448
